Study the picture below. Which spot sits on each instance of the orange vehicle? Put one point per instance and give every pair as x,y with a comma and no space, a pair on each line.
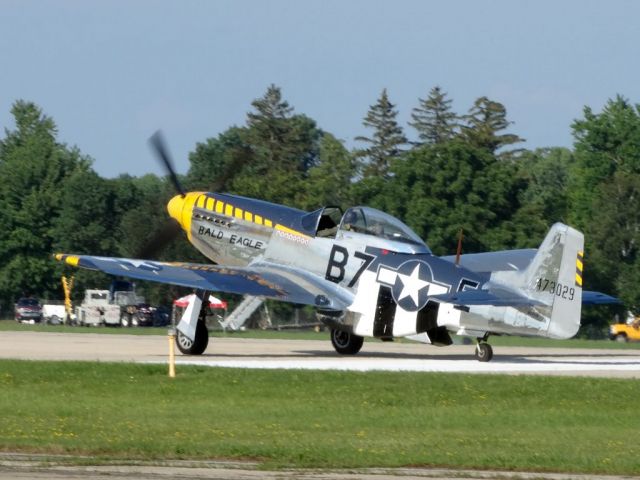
626,332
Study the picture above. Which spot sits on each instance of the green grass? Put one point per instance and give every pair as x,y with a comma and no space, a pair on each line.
321,419
11,325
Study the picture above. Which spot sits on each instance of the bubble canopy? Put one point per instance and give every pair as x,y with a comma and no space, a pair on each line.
369,221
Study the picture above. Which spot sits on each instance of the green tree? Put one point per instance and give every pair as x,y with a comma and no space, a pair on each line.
386,141
605,143
438,189
613,238
85,218
433,119
329,182
34,169
604,200
216,161
283,140
485,123
541,178
281,149
270,158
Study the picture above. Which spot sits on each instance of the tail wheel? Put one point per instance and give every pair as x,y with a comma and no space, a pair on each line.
197,346
484,352
346,343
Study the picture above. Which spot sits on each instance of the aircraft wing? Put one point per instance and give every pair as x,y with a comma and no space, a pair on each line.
261,279
493,261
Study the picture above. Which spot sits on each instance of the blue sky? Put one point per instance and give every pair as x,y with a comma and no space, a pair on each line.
112,72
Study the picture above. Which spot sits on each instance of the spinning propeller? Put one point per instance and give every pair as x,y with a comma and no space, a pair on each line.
159,145
171,229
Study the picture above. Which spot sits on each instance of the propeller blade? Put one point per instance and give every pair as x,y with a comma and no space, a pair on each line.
171,230
166,234
160,147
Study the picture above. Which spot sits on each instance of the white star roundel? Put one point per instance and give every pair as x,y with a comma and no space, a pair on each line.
411,284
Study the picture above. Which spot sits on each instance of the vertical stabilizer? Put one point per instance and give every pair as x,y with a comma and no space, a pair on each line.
554,278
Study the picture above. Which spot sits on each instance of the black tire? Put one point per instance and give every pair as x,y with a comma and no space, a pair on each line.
346,343
125,320
621,337
198,346
484,352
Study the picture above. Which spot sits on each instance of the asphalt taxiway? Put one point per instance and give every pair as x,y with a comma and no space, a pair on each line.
234,352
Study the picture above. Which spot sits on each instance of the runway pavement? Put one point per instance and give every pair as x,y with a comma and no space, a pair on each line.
37,467
40,467
319,355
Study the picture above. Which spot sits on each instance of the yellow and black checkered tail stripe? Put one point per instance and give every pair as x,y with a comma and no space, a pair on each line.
579,267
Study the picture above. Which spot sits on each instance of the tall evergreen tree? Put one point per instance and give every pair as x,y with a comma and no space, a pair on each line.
284,140
269,158
387,139
433,119
485,123
268,124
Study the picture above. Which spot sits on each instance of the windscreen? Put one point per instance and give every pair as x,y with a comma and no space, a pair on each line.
370,221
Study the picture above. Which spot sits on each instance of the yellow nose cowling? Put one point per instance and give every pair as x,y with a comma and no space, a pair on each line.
175,208
180,207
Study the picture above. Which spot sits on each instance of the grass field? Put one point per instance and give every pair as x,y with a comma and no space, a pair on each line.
321,419
11,325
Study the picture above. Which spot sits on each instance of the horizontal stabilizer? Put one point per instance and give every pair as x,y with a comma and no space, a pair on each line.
597,298
509,260
498,298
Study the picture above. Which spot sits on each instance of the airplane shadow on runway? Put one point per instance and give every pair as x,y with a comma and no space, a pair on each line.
531,358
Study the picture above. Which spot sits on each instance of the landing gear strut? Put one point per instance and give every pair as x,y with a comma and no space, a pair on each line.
200,341
484,352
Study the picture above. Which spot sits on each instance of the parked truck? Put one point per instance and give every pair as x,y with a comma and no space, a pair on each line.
96,310
120,305
53,312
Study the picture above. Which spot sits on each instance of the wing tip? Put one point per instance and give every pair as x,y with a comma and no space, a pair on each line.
72,260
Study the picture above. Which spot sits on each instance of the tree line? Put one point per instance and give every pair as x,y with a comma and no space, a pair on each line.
461,171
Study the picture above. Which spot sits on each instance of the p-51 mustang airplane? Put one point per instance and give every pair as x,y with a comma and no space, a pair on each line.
366,273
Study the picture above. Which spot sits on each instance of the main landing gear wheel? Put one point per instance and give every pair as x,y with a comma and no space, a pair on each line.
346,343
196,347
484,352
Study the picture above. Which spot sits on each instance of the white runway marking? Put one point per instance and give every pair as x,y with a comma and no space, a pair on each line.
522,365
